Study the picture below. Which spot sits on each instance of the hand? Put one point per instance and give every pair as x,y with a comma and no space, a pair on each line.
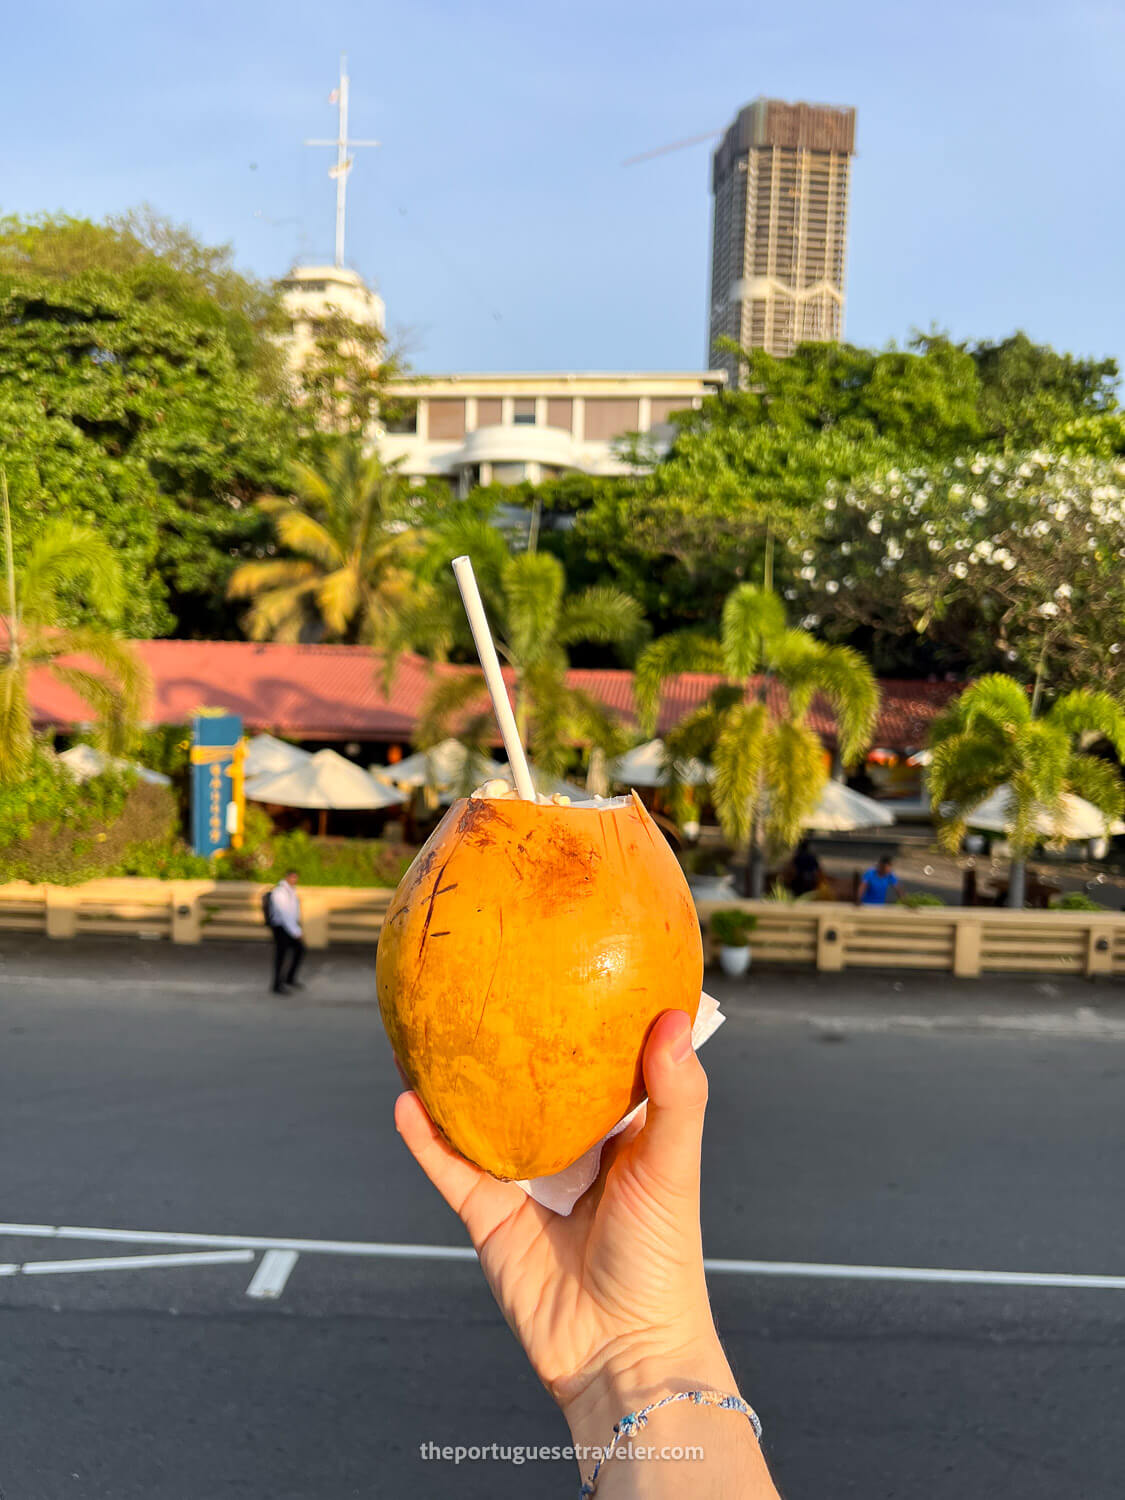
611,1303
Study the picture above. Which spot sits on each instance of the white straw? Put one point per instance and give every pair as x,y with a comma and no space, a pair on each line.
490,663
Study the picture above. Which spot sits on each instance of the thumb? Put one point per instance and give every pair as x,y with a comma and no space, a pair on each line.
669,1145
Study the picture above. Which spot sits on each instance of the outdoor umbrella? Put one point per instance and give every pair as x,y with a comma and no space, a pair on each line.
644,765
839,809
1076,818
326,782
449,764
267,756
83,761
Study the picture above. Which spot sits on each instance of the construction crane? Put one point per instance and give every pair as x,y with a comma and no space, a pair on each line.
691,140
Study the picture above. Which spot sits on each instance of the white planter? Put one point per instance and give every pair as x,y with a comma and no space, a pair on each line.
734,961
711,887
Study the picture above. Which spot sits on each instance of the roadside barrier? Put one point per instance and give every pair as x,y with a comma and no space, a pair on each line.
828,936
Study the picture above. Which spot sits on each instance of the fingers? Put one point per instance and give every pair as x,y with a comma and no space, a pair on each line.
670,1144
480,1201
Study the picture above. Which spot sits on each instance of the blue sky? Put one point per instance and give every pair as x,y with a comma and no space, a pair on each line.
497,219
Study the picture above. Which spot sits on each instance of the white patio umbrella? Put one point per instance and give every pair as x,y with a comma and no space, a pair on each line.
267,756
84,761
327,782
839,809
1076,819
441,767
644,765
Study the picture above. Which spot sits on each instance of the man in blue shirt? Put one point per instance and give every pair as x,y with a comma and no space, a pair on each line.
878,884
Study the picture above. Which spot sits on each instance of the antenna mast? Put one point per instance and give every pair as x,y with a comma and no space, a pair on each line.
339,97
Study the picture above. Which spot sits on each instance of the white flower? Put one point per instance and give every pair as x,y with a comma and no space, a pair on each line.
875,525
960,570
846,549
1063,591
807,557
831,587
1048,610
979,503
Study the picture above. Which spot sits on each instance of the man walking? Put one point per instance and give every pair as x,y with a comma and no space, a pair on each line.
879,886
285,924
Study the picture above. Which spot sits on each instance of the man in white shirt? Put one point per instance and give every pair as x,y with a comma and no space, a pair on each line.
288,944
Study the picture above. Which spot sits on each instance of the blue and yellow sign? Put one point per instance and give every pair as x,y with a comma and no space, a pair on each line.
216,782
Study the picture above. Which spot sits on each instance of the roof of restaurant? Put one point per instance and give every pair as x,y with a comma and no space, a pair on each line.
334,693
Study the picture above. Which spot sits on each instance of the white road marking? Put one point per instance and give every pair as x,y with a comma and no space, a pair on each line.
126,1263
272,1274
388,1251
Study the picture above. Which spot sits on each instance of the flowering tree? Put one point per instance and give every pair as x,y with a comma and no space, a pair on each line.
1000,560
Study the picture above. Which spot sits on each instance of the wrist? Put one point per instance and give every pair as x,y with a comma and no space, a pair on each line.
635,1374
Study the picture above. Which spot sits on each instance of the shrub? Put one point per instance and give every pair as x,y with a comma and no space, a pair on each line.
1076,901
731,927
915,899
52,829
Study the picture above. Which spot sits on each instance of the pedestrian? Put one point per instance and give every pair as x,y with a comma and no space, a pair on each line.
879,884
806,869
288,943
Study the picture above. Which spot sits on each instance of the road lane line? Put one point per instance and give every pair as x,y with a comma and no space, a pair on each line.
376,1249
127,1263
272,1274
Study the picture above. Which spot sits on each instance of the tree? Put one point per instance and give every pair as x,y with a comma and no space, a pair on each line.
990,737
64,560
992,560
341,383
1029,391
348,529
535,624
769,765
127,413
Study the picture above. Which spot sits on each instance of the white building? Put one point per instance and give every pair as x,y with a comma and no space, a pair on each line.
499,429
503,429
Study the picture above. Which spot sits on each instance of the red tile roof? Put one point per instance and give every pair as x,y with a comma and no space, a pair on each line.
333,692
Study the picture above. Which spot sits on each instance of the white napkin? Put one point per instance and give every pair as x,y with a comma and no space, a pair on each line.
562,1190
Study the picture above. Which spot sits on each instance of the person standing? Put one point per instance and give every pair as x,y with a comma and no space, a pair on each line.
288,941
879,884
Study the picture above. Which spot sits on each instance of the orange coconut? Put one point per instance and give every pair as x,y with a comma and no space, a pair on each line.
523,959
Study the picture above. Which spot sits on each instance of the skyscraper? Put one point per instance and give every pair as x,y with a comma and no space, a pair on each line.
780,185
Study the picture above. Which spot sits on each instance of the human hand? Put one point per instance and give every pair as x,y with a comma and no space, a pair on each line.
611,1303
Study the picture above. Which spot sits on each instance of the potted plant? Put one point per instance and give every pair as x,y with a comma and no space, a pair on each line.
731,928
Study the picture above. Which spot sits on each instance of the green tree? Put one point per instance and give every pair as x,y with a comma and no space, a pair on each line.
768,761
991,738
64,560
1029,391
535,624
347,527
987,561
123,412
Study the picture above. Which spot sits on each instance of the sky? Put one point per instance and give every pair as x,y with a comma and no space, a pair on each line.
497,219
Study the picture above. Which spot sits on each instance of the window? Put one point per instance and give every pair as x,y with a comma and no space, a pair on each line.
490,411
400,416
560,413
523,411
447,418
664,406
610,417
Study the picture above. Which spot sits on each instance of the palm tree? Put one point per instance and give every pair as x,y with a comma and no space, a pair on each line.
348,527
990,737
534,624
64,562
768,764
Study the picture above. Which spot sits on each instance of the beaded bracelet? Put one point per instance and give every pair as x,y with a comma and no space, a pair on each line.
632,1424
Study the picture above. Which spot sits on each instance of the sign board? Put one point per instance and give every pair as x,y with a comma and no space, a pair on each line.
216,782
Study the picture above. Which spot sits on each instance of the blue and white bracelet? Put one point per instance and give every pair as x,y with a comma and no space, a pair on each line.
630,1425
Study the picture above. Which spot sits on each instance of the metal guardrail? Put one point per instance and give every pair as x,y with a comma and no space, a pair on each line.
828,936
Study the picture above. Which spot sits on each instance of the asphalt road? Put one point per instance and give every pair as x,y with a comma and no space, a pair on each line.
855,1119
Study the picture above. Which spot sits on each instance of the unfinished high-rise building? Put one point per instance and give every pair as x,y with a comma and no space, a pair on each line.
780,184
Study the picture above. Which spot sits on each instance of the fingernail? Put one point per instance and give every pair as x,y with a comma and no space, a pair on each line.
681,1048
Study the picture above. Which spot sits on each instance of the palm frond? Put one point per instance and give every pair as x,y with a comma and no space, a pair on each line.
338,598
69,558
1087,714
839,674
447,706
668,656
995,700
533,584
308,537
738,760
794,773
752,618
602,615
283,614
253,578
16,738
1099,782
